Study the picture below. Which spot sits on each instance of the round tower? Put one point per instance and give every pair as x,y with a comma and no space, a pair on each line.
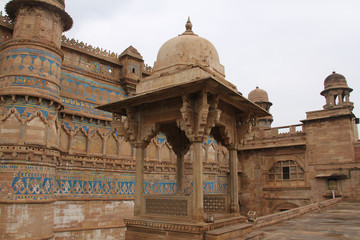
260,97
337,92
30,68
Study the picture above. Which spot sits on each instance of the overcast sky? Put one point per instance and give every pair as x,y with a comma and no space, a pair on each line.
286,47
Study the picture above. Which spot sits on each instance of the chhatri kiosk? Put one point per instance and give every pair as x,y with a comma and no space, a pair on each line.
188,99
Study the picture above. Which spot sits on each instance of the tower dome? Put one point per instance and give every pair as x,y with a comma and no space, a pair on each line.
188,49
336,92
261,98
335,80
258,95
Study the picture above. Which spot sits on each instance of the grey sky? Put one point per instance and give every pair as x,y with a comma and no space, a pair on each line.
286,47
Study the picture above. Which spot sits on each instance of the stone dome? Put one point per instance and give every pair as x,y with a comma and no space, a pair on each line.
188,49
335,80
258,95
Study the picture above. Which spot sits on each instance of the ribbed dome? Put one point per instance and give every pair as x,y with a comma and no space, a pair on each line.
335,80
188,49
258,95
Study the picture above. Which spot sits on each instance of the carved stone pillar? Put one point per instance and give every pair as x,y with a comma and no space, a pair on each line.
197,194
139,179
234,182
180,174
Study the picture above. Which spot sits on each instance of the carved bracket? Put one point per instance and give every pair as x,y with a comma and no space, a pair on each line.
244,127
139,135
199,116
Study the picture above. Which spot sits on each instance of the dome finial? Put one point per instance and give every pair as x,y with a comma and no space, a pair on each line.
188,25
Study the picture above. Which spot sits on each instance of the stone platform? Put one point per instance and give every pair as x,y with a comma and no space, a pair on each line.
339,221
146,228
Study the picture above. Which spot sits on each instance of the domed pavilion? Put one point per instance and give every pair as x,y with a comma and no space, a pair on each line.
337,92
261,98
188,99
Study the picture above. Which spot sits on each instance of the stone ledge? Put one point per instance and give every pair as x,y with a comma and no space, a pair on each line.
282,216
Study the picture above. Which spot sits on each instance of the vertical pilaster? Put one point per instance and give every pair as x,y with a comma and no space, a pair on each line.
139,179
180,174
234,182
197,194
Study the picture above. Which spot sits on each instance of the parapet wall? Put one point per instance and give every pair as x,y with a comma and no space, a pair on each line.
282,216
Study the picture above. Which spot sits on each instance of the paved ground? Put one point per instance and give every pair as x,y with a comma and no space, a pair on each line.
340,221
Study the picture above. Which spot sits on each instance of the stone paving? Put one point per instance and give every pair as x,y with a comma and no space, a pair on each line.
340,221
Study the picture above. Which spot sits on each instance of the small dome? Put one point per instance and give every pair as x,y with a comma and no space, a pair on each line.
188,49
335,80
258,95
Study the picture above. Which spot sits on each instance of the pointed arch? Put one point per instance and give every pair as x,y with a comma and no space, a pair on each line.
165,152
96,143
64,139
153,150
79,142
112,145
211,154
125,149
10,129
35,131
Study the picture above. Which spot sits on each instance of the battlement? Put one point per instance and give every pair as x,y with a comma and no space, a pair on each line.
89,49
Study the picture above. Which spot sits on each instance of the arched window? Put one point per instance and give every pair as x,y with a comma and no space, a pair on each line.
286,171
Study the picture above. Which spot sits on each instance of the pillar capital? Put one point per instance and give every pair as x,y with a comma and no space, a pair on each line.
139,144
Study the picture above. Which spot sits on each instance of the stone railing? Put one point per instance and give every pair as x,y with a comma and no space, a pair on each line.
293,135
282,216
281,131
173,206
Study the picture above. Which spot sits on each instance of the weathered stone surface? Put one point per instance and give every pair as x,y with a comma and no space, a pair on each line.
339,221
67,169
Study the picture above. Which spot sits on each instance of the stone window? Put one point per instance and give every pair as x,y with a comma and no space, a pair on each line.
286,171
332,184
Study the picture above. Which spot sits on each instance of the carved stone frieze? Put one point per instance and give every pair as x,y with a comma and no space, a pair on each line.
29,155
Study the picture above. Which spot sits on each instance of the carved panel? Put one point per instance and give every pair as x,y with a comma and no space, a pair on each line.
170,206
215,203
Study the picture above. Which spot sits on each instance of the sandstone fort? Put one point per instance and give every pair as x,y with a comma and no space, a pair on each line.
97,145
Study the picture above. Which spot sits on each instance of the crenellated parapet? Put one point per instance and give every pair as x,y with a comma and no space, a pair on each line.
89,49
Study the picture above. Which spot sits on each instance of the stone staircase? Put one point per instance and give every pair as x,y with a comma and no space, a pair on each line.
226,226
229,232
